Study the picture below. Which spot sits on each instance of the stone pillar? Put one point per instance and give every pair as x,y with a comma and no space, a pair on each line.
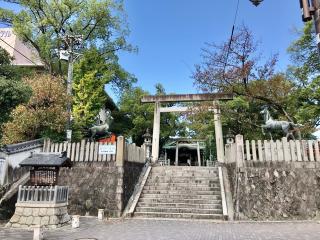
75,222
156,132
218,132
100,214
177,154
120,151
240,151
198,154
38,233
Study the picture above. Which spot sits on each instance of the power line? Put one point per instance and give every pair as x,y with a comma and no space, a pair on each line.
18,51
230,41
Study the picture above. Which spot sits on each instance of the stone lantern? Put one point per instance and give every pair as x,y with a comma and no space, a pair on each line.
230,137
148,143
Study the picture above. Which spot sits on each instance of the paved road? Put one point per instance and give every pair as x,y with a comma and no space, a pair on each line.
137,229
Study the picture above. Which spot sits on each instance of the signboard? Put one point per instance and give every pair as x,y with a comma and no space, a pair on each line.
107,149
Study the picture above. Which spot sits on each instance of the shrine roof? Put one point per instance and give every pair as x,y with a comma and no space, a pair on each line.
47,160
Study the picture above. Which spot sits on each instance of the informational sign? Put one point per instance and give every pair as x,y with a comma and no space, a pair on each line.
107,149
69,135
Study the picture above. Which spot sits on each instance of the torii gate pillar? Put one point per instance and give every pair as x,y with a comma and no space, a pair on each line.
218,132
215,97
156,132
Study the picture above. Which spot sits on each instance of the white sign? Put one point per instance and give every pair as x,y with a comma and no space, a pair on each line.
107,149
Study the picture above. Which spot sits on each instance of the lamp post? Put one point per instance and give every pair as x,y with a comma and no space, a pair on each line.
309,8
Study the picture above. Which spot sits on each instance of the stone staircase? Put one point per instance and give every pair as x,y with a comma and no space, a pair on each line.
181,192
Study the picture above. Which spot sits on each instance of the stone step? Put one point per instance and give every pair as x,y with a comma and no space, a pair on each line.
181,188
147,200
183,180
181,192
180,196
181,172
184,169
186,173
182,185
179,210
180,205
178,215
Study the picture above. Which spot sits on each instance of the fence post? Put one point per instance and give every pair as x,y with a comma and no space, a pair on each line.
120,151
240,151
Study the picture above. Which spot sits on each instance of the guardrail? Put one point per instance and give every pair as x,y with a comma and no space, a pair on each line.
43,194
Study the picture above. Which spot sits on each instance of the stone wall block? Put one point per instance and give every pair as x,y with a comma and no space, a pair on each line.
45,220
54,220
35,212
42,212
29,220
27,212
19,210
23,220
51,212
36,221
15,218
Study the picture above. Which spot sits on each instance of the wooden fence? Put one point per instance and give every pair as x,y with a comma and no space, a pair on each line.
88,151
272,151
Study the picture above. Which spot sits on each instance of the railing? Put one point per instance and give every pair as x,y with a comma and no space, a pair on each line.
83,151
87,151
273,151
43,194
134,153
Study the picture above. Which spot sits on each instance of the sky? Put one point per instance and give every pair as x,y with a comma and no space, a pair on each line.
170,34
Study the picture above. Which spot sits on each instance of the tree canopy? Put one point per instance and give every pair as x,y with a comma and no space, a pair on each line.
237,66
12,90
44,115
44,24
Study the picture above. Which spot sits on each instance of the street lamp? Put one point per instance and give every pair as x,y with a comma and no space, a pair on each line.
256,2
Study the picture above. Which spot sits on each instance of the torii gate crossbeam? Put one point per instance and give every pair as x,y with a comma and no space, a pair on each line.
157,100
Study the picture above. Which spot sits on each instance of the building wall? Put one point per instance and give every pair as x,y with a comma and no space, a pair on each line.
9,169
7,35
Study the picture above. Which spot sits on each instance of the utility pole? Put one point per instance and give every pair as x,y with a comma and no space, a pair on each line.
70,55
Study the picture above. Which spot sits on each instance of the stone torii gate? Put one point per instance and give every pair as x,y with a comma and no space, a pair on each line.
157,100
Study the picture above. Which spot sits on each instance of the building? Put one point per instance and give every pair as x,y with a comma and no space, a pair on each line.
23,53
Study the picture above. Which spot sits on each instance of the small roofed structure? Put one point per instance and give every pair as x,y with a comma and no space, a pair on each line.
45,167
185,151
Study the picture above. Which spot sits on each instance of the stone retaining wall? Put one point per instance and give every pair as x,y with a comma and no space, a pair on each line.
131,174
275,192
93,186
47,215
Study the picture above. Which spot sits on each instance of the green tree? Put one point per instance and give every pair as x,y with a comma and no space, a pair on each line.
305,74
44,23
137,117
44,115
89,96
12,90
91,74
254,83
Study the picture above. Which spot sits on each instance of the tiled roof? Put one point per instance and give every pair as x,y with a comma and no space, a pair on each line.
47,160
20,147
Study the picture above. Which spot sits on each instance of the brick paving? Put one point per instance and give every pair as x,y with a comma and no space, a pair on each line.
139,229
